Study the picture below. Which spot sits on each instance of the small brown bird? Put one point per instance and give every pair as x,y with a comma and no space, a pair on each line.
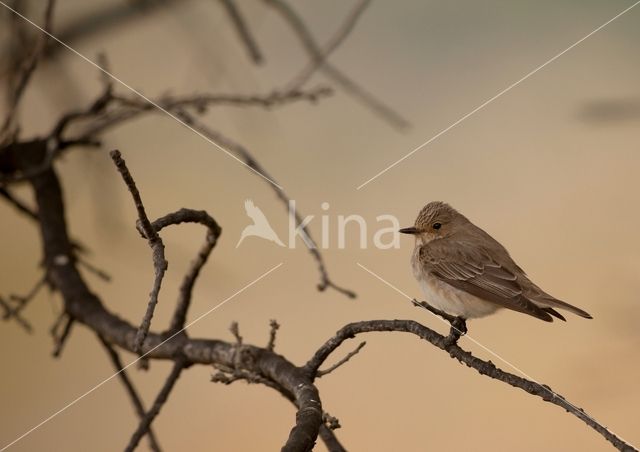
465,272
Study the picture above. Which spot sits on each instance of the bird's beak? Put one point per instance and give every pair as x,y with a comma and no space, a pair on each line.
410,230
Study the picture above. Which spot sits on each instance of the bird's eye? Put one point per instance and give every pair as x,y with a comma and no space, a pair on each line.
436,226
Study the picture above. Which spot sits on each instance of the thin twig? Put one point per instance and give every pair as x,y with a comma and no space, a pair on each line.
274,327
483,367
288,13
160,264
22,300
244,33
235,330
103,275
28,69
61,340
334,42
147,419
188,282
18,204
9,313
247,157
321,373
136,400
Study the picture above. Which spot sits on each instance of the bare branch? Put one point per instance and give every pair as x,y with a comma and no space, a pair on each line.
160,264
146,420
61,340
338,38
103,275
19,205
28,67
458,324
21,301
483,367
275,326
136,400
321,373
243,31
186,288
247,157
10,313
308,42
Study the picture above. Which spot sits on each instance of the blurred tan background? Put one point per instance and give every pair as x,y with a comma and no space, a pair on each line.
550,169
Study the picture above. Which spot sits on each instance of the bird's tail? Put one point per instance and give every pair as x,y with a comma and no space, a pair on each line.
549,302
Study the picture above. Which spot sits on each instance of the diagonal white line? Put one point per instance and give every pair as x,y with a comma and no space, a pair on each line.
138,93
504,91
513,366
77,399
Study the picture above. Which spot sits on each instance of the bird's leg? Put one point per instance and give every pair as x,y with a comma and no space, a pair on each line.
458,324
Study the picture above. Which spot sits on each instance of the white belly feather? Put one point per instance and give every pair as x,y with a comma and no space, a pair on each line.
454,301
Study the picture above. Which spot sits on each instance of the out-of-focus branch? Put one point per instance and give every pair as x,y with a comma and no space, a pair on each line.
10,313
160,264
299,27
334,42
18,204
26,71
60,339
131,391
244,33
242,152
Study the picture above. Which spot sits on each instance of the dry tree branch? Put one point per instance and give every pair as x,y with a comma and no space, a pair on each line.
322,373
160,264
291,17
245,155
244,33
179,365
86,308
483,367
10,313
18,204
61,340
136,400
334,42
186,288
27,70
274,327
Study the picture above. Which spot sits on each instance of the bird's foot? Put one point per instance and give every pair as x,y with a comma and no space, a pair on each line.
458,329
460,325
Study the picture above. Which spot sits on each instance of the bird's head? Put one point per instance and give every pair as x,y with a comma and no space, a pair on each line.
436,220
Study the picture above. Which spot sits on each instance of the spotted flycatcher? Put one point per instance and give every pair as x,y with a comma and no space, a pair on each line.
465,272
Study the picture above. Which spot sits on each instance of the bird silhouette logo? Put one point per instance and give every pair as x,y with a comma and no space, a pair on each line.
260,227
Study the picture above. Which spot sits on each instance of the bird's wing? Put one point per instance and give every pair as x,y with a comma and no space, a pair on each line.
473,270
